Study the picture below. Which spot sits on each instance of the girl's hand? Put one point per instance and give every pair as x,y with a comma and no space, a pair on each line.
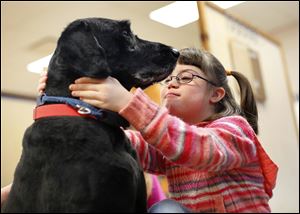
42,83
103,93
4,193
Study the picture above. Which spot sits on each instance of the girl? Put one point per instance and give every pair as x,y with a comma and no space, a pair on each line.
201,139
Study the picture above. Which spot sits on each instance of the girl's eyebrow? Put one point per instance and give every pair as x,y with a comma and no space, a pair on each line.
190,70
186,70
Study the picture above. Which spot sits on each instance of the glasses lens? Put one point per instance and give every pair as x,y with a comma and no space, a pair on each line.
185,77
166,81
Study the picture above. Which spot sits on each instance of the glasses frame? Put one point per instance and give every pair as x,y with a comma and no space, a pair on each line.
178,79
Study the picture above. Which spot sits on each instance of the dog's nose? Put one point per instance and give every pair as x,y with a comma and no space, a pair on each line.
175,52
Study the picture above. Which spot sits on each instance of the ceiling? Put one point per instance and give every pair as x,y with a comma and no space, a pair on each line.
29,30
268,16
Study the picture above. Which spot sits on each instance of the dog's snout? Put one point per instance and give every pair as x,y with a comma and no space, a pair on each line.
175,52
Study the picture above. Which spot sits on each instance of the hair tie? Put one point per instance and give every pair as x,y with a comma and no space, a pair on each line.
228,72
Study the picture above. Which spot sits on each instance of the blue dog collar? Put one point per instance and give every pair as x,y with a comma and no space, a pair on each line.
85,109
82,107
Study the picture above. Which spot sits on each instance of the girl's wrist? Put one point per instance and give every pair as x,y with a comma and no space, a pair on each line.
125,100
140,110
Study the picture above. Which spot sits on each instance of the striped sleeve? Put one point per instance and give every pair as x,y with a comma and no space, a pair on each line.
150,158
221,145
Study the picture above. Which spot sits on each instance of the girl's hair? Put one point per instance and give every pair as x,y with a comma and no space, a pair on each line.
216,73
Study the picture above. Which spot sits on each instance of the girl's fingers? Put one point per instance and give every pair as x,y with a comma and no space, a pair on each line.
88,80
41,87
86,94
95,103
83,87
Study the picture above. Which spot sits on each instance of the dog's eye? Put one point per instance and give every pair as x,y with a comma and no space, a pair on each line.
130,41
126,34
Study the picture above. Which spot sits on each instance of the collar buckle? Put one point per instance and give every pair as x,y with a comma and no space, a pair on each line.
83,110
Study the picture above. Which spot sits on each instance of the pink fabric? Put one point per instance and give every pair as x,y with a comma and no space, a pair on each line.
157,193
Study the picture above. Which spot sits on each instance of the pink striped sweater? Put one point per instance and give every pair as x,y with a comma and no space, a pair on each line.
216,166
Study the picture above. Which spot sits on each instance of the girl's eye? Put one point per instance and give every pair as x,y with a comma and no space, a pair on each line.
185,79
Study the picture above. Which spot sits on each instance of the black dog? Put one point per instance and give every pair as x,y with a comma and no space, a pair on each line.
85,164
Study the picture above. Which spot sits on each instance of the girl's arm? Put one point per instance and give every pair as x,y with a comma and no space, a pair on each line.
152,160
226,143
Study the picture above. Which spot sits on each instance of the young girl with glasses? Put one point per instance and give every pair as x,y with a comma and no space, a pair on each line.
200,138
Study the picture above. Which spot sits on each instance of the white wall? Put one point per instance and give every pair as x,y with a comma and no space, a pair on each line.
278,133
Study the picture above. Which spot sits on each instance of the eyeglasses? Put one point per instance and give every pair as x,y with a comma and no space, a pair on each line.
184,78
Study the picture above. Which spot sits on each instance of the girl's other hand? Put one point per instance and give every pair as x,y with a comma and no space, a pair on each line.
42,83
4,193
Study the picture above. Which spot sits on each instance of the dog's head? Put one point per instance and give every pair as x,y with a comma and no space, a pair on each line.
98,48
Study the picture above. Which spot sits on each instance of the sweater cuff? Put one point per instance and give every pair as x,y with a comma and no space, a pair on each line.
140,111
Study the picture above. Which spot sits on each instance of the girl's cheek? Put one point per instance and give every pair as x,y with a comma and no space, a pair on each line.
162,101
163,91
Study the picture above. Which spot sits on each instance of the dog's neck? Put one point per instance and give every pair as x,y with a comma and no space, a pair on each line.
60,78
58,84
128,83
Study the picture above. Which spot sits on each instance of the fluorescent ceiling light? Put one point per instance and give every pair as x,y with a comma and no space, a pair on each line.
227,4
176,14
39,65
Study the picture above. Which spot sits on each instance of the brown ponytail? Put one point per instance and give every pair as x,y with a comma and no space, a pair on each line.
247,102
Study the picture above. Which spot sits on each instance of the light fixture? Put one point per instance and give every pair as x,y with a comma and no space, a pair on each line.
226,4
176,14
39,65
181,13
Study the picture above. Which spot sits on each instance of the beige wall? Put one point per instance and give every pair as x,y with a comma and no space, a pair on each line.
288,36
278,132
289,39
16,116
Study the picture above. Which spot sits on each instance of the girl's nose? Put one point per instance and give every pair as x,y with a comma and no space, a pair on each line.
173,83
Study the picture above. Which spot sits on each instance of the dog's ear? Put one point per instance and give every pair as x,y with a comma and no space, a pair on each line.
80,49
125,23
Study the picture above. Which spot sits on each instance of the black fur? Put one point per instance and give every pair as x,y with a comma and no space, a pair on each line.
75,164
